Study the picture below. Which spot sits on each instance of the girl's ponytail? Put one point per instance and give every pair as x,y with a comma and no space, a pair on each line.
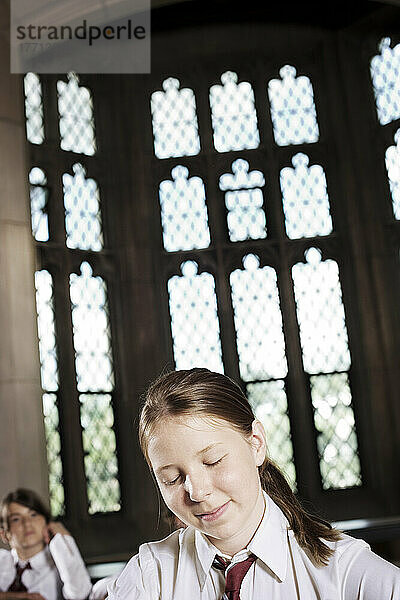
309,530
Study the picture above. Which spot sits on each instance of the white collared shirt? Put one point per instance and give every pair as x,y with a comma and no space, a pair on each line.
180,568
57,572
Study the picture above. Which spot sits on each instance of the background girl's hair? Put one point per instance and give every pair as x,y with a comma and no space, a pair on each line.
212,395
27,498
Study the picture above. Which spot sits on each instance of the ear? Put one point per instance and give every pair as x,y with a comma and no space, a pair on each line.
258,442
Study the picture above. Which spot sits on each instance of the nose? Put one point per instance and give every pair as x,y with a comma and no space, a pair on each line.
198,487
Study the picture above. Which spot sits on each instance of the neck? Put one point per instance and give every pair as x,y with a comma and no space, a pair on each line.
27,553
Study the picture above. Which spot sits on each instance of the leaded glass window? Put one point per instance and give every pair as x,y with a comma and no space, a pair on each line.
244,202
82,211
392,159
183,212
76,120
258,321
194,319
293,113
337,438
305,199
33,108
261,350
385,73
95,377
50,383
233,114
39,196
323,336
269,402
99,444
175,126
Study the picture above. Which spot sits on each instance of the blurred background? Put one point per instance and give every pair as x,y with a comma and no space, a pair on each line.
238,208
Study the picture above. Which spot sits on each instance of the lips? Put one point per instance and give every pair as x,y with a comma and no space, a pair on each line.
214,514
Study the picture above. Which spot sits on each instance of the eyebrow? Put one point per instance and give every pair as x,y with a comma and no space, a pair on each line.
202,451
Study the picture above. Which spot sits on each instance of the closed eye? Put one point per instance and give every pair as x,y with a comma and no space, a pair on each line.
172,481
214,463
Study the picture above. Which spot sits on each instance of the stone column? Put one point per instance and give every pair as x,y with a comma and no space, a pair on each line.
22,440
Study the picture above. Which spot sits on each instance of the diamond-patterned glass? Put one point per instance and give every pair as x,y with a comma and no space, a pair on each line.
385,74
46,331
175,128
38,196
244,202
49,380
194,319
53,447
76,122
233,113
305,199
293,113
337,438
91,332
268,400
82,211
101,466
33,108
183,211
258,321
320,313
392,158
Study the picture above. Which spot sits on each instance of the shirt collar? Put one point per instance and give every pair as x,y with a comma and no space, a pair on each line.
269,544
37,561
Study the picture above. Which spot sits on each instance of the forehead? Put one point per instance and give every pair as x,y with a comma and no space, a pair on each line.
176,437
15,508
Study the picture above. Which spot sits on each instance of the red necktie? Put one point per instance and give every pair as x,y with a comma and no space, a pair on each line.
234,576
17,585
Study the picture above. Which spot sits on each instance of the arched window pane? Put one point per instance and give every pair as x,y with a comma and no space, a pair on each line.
336,433
258,321
305,199
233,113
175,128
33,109
82,211
323,332
194,319
46,331
293,113
183,212
269,403
385,73
50,382
76,123
39,196
91,332
244,202
94,371
392,158
99,445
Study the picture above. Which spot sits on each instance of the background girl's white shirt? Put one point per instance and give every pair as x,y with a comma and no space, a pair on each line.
179,567
57,572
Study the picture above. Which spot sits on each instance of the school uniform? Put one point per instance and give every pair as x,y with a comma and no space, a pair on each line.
57,572
180,567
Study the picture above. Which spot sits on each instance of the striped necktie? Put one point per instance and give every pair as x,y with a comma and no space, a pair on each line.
17,585
234,576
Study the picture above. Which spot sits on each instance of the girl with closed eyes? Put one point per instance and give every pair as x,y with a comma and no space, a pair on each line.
246,536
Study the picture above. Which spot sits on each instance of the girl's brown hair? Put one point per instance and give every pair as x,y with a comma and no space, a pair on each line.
208,394
27,498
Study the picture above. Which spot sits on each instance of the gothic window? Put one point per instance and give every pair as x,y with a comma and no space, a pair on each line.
63,231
